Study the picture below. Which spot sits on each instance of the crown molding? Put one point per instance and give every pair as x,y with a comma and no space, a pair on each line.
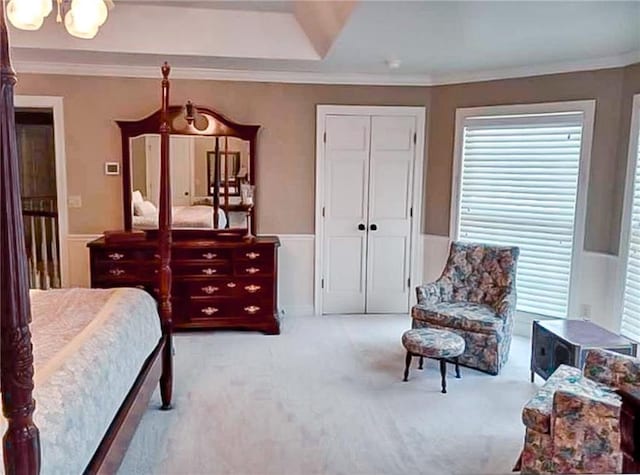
300,77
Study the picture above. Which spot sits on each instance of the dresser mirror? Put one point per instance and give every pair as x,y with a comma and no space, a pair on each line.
212,169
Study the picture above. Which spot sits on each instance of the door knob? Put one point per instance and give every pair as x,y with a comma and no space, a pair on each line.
373,227
361,227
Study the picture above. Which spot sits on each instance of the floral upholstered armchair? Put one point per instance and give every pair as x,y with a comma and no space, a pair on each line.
474,297
573,422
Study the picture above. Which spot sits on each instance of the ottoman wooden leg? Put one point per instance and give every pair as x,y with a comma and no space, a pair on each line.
421,362
443,373
457,368
407,363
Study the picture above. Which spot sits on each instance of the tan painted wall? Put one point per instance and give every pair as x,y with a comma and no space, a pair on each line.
285,187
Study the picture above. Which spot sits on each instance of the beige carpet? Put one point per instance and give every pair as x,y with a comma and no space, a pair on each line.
327,397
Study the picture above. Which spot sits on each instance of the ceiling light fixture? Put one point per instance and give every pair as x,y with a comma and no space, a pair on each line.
82,19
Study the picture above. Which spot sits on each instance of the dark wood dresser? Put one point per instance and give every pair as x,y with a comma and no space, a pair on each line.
216,284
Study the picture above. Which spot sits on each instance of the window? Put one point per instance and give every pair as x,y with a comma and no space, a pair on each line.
519,176
630,242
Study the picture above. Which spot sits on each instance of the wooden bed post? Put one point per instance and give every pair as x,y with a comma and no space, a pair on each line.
164,241
22,440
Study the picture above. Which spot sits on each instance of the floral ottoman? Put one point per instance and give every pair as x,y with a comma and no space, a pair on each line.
433,343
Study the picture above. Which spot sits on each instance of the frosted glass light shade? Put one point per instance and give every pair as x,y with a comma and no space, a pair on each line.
78,29
28,14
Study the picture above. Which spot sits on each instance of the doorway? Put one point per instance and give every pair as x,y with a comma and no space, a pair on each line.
369,171
40,146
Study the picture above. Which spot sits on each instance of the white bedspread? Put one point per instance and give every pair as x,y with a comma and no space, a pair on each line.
197,216
89,346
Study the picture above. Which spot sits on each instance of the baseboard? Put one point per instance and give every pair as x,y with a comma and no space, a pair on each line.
297,310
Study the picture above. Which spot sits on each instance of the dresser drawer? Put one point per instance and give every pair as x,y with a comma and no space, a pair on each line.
210,308
124,255
125,271
254,254
201,254
242,268
232,287
201,269
214,287
223,307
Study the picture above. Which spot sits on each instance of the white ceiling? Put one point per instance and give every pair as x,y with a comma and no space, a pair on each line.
436,42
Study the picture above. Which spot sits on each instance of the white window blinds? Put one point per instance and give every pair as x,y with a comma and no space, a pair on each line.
631,308
519,185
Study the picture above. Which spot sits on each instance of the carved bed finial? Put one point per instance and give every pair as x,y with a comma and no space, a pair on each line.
166,69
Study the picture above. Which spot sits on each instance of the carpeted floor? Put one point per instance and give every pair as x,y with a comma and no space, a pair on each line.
327,397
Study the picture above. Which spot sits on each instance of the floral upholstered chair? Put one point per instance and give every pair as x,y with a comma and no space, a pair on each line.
573,422
474,297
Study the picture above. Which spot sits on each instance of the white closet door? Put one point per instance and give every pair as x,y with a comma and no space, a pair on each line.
345,208
390,198
181,159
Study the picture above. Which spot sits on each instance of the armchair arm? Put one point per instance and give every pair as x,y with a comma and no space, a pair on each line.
430,293
613,369
581,422
506,306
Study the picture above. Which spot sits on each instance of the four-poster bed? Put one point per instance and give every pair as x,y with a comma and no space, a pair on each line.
23,444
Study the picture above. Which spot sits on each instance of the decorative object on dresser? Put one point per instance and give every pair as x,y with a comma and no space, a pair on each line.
222,276
556,342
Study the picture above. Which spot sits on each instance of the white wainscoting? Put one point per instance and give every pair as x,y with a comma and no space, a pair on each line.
79,275
295,272
597,284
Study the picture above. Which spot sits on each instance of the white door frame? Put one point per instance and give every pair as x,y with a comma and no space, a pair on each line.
625,231
55,103
417,196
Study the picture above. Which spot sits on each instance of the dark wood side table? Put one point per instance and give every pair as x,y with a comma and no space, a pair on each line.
557,342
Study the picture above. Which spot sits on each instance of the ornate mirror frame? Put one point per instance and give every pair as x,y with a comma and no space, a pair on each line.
216,125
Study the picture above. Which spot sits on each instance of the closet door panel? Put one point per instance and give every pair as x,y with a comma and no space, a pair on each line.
345,208
181,160
390,197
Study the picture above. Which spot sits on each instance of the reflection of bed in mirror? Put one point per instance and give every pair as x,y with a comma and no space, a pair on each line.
199,166
145,215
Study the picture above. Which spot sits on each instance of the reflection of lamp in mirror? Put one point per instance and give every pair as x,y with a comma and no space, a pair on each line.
246,195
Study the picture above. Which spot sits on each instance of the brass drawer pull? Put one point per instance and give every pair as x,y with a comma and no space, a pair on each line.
209,255
116,256
209,310
252,255
231,285
210,289
116,272
252,270
251,309
209,271
252,289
